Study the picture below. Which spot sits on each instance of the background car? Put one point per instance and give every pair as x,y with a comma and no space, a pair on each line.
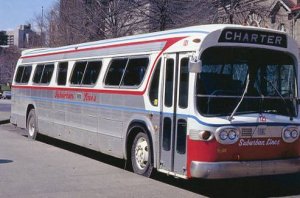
6,95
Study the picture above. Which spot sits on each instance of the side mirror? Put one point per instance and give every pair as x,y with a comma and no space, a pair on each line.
195,65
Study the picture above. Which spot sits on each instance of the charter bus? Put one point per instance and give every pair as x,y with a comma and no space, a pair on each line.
212,101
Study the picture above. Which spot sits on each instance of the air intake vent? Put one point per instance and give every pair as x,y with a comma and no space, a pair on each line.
246,132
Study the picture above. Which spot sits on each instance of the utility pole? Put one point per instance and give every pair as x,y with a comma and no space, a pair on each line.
42,25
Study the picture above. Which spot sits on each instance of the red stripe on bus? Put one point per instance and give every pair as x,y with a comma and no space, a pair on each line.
96,48
169,43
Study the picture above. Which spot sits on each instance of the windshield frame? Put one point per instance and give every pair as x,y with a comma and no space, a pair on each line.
291,61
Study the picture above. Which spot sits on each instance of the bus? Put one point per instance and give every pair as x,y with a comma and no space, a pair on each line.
211,101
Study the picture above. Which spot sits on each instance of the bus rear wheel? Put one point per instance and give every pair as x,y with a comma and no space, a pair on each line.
141,155
32,127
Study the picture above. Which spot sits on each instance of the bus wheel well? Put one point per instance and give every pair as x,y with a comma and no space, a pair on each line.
133,130
28,110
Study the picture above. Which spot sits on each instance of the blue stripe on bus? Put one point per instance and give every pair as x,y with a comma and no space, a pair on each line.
139,110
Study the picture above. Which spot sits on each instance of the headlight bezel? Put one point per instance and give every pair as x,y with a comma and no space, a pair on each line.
290,134
227,135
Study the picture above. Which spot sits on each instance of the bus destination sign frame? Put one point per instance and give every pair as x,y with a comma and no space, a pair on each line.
253,37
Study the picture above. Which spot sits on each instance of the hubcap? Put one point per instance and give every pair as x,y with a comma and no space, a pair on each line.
31,127
141,153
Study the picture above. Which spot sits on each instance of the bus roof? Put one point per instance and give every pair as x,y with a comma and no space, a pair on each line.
200,31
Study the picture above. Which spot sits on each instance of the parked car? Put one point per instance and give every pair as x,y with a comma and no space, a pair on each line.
6,95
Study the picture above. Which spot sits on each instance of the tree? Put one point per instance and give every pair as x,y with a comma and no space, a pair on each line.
246,12
167,14
8,60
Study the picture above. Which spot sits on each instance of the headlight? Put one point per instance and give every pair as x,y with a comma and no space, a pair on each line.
223,135
227,135
232,134
290,134
294,134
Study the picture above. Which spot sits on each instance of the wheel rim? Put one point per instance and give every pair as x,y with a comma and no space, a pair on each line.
141,153
31,127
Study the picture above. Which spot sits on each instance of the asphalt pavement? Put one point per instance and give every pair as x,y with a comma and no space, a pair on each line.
5,106
38,169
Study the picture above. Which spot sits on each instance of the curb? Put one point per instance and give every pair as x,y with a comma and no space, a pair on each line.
4,121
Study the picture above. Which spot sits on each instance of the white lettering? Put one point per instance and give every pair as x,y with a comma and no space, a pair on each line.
273,142
228,35
270,39
246,38
257,142
263,36
237,36
254,38
278,40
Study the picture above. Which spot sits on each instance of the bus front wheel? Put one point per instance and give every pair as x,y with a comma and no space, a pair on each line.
141,152
32,127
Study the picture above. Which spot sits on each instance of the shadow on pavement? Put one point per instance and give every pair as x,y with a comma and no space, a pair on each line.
5,161
264,186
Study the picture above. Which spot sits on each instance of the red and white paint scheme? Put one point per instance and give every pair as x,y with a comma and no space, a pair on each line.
213,101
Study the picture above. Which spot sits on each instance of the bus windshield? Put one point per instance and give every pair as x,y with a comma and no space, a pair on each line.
224,80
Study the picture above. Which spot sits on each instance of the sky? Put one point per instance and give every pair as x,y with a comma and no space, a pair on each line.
14,13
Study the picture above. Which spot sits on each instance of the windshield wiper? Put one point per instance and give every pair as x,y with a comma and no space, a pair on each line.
279,94
230,118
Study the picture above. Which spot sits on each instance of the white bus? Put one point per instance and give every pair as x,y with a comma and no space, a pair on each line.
212,101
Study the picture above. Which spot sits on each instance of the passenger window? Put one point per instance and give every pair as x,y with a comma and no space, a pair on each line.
92,72
47,73
62,73
167,127
19,74
181,136
86,73
26,74
135,71
183,83
43,73
169,82
38,73
115,72
153,94
78,72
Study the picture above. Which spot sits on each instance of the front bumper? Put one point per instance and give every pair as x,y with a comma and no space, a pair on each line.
218,170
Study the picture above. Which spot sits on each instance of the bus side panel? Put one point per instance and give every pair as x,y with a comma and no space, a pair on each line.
19,104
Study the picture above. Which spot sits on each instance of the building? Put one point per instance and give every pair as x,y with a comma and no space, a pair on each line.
280,15
21,36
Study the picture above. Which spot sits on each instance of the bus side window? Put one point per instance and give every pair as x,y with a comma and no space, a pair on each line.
47,73
153,93
135,71
26,74
92,72
38,73
62,73
78,72
19,74
115,72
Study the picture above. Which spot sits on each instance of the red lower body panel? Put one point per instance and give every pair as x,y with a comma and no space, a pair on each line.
244,150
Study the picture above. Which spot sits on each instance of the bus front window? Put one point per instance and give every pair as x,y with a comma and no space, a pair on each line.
223,80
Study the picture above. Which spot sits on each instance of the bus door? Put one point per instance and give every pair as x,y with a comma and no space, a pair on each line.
173,111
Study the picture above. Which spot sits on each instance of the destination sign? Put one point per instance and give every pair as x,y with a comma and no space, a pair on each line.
253,37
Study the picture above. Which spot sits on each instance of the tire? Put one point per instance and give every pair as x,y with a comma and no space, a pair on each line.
141,155
32,126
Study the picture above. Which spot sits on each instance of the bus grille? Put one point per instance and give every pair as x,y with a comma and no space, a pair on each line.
246,132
